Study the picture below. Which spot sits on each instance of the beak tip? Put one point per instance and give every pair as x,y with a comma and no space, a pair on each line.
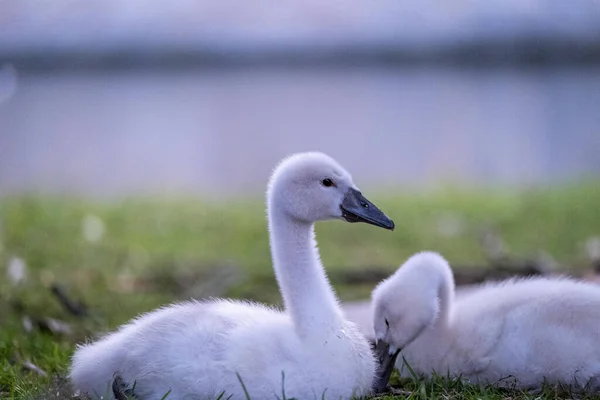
390,225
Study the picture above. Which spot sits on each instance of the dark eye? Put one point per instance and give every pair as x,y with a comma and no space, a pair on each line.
387,323
327,182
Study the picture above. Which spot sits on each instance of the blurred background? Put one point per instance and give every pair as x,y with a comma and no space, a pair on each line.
120,97
136,139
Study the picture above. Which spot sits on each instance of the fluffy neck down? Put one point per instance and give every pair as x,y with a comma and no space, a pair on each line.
307,294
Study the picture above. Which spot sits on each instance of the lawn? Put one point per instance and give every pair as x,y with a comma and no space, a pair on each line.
122,258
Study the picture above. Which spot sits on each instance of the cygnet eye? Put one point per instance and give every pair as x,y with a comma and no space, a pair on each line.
387,323
328,182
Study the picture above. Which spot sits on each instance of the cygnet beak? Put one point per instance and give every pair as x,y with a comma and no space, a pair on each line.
356,208
386,365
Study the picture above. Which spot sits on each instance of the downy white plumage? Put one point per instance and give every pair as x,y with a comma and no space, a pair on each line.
309,351
516,333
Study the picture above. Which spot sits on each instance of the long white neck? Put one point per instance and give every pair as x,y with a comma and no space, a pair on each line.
307,294
433,346
445,293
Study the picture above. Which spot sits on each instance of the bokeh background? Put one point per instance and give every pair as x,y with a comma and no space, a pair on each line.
119,97
136,139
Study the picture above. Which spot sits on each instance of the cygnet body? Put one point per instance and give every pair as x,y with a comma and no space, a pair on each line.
201,349
516,333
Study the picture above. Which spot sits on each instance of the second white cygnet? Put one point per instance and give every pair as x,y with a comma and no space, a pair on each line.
516,333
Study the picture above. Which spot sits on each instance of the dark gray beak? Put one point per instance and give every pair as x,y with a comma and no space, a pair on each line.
356,208
385,367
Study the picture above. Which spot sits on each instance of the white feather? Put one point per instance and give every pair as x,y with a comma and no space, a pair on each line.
195,349
519,331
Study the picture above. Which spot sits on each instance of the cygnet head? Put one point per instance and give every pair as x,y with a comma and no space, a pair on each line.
310,187
404,305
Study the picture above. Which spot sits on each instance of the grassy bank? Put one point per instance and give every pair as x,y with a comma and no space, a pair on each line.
126,257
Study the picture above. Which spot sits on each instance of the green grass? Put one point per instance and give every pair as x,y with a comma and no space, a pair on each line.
156,251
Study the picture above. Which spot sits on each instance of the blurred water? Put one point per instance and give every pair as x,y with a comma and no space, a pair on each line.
221,132
94,26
